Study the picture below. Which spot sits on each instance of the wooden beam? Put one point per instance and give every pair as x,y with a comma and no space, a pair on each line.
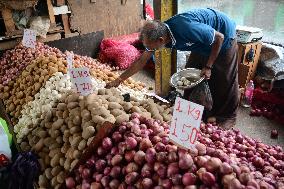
51,12
65,19
8,20
165,60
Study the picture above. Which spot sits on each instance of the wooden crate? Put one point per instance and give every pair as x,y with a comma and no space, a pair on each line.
247,69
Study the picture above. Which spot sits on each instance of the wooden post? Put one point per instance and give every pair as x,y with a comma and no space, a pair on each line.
8,20
165,60
51,13
64,17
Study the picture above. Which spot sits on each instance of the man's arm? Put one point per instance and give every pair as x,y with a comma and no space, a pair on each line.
215,50
134,68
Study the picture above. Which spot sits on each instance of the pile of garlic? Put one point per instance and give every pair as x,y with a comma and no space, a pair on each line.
47,97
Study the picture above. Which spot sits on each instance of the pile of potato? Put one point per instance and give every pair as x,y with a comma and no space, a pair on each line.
28,84
67,129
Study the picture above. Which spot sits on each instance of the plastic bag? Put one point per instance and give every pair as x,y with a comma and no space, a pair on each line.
119,53
201,95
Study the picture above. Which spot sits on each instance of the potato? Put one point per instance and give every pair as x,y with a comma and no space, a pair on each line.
55,160
76,154
67,164
88,132
55,171
39,145
98,119
57,124
82,145
114,105
61,177
53,152
90,140
74,163
121,118
86,115
127,106
47,173
136,109
117,112
75,142
77,120
72,105
74,130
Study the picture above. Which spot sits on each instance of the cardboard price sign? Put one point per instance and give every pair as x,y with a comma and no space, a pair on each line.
185,123
69,60
81,80
29,39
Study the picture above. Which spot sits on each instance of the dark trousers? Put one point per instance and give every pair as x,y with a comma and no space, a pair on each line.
223,83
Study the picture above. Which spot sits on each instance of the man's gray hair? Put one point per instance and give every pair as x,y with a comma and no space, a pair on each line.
153,30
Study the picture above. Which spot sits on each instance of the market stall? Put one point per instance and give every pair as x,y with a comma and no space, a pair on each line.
72,132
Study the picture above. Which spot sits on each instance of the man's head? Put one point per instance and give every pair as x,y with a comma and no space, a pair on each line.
154,35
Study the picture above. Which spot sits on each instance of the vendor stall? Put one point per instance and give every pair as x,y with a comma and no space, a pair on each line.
71,131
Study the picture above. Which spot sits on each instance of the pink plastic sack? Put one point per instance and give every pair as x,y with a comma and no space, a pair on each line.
118,53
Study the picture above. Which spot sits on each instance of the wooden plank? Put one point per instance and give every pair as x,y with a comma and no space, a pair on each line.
51,12
247,69
50,37
5,45
65,18
87,45
8,20
66,24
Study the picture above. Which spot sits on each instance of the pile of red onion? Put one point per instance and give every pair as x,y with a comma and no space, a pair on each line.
14,61
139,155
85,61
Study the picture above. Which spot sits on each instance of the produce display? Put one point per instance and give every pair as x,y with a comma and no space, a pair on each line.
139,155
14,61
28,84
65,129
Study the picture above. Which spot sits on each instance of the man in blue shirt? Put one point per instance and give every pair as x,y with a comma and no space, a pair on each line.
210,36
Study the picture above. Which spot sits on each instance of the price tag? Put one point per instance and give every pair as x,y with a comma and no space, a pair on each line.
81,80
29,39
69,59
185,123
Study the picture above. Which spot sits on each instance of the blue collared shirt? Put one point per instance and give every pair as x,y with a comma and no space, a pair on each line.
195,30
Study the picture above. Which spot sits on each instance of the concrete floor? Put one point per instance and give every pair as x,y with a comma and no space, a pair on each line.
255,127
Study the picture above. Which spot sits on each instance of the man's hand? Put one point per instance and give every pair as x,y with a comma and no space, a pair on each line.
114,83
206,72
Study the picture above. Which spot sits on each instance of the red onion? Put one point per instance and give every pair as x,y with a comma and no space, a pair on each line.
122,129
96,185
116,136
188,179
86,186
135,115
147,183
161,156
107,143
116,160
274,133
139,157
235,184
121,147
100,165
213,164
150,155
105,181
172,157
185,162
258,162
146,170
162,171
131,178
101,151
114,150
129,155
172,169
191,187
70,183
132,167
115,171
201,148
225,169
86,173
145,144
98,177
176,179
208,178
107,171
114,184
167,184
131,143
